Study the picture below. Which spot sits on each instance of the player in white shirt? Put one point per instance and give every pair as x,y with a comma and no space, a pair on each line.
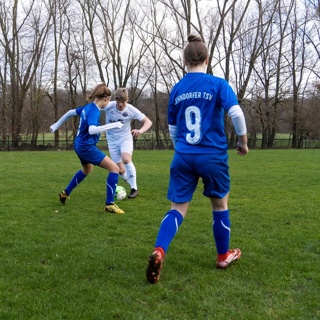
120,140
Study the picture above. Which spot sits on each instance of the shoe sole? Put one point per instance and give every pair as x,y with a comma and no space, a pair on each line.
63,199
132,197
154,268
114,212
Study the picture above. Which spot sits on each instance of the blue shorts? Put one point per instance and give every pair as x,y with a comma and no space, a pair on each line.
186,169
89,154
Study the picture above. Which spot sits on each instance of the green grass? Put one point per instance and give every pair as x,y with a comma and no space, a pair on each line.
77,262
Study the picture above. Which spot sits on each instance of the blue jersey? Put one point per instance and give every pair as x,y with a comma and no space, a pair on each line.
196,106
89,115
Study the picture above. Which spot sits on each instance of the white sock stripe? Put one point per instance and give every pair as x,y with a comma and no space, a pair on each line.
226,227
164,218
177,227
108,186
175,220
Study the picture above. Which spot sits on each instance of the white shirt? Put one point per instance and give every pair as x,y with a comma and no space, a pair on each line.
125,117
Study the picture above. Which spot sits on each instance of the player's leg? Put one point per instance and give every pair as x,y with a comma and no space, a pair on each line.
168,229
216,186
75,181
181,188
169,225
115,155
222,231
123,172
182,185
126,147
131,174
111,184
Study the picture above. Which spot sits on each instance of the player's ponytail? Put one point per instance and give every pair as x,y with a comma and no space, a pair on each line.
100,91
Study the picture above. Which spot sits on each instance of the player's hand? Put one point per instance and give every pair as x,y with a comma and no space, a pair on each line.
119,124
53,128
136,133
242,149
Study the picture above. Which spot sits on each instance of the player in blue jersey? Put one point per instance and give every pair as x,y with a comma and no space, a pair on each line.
88,135
196,124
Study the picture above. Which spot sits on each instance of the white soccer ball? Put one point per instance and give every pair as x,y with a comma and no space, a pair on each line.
120,193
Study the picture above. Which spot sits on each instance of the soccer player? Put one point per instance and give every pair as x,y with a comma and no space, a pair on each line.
85,145
120,140
196,124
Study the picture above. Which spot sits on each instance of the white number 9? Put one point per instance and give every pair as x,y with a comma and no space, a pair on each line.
193,123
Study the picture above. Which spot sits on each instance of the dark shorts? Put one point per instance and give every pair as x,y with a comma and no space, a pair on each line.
186,169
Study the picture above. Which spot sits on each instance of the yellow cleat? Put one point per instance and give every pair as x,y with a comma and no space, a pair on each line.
63,197
113,208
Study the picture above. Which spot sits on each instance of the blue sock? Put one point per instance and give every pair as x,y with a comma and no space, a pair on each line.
221,230
77,178
168,228
111,183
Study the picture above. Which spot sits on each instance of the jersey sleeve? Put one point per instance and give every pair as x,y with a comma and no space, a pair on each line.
227,96
79,110
137,114
172,120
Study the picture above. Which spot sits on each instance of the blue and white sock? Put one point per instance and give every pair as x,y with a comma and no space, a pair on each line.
111,184
221,229
77,178
168,228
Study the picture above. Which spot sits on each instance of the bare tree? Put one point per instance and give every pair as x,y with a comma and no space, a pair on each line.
5,90
254,58
89,15
24,45
36,97
270,74
153,71
122,52
300,61
72,70
232,16
57,9
312,29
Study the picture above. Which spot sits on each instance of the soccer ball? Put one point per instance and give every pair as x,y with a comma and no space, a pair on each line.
120,193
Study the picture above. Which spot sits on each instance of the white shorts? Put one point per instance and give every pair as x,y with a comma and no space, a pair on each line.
115,149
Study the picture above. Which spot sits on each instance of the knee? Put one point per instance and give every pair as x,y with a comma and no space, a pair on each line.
126,160
115,169
87,171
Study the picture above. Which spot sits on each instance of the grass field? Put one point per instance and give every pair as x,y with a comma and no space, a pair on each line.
77,262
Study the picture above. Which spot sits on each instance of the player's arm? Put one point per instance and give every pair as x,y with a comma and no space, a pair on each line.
239,124
147,123
98,129
63,119
173,133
